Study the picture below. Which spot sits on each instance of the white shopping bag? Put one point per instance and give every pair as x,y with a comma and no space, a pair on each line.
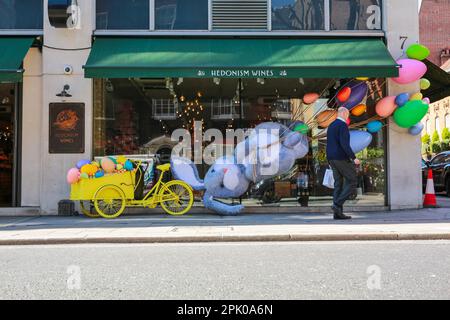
328,179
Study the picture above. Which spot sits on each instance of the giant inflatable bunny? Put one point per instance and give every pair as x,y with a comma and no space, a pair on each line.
270,150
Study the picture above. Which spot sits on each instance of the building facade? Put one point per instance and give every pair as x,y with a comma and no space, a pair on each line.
123,75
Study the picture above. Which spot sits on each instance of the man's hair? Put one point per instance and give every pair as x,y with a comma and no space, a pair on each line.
342,111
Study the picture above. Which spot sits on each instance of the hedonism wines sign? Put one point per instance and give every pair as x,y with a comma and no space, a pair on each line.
242,73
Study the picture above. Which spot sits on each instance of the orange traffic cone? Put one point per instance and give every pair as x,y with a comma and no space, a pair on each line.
429,200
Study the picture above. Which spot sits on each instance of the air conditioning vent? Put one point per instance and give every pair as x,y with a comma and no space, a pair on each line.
239,14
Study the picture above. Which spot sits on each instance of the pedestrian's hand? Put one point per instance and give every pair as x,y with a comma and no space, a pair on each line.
357,162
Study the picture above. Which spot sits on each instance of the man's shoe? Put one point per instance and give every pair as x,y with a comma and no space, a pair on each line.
336,209
341,216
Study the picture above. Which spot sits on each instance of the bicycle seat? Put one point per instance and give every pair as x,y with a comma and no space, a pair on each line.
163,167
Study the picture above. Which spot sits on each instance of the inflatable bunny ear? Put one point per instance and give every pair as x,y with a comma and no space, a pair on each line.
185,170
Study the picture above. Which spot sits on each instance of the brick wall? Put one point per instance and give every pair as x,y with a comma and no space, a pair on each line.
435,29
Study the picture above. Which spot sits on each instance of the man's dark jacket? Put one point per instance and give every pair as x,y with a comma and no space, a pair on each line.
338,142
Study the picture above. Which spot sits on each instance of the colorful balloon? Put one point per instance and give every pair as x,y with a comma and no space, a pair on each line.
410,114
310,98
82,163
401,99
95,163
426,100
344,94
359,140
374,126
359,90
362,78
121,159
325,118
84,176
416,129
410,71
89,169
359,110
99,174
348,121
108,165
386,106
302,128
416,96
424,84
128,165
417,51
73,175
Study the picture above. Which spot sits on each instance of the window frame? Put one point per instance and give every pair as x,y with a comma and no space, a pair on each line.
27,32
325,32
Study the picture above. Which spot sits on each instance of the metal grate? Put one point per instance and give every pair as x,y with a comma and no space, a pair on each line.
238,14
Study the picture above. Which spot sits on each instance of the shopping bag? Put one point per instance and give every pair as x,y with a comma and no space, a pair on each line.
328,179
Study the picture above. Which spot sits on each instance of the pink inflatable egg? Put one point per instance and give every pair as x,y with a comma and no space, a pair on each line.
411,70
426,100
73,175
310,98
386,106
108,165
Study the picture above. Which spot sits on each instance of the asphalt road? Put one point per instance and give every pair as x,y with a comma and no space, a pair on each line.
322,270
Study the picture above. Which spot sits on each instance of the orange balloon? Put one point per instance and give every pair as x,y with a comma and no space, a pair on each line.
325,118
310,98
359,110
386,106
344,94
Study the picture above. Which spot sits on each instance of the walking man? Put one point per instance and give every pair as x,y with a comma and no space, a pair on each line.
342,161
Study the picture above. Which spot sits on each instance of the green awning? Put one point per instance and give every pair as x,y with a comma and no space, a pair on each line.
440,82
12,53
239,58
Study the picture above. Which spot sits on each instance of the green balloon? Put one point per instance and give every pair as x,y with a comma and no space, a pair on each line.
302,128
411,113
418,52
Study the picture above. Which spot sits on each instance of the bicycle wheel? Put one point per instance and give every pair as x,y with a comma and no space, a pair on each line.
109,202
176,197
87,209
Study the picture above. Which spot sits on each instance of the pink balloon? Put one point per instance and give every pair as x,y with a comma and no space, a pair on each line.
426,100
310,98
411,70
73,176
386,106
108,165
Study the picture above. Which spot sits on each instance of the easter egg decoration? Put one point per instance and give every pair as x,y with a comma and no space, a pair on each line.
128,165
99,174
411,113
359,140
416,129
82,163
73,176
108,165
89,169
386,106
402,98
310,98
374,126
424,84
344,94
359,90
417,51
325,118
410,70
416,96
359,110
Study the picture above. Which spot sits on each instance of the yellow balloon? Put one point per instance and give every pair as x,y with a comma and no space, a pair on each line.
121,159
424,84
416,96
362,78
89,169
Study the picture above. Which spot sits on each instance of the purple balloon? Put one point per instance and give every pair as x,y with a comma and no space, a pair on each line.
359,92
402,98
82,163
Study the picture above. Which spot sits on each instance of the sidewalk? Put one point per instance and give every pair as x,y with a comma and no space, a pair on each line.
401,225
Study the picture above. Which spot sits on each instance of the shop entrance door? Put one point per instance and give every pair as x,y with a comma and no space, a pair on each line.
8,144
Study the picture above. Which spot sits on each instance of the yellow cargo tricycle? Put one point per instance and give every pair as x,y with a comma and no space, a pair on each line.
110,195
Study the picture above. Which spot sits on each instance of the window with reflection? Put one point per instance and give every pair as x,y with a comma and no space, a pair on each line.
297,15
355,14
181,15
123,14
21,14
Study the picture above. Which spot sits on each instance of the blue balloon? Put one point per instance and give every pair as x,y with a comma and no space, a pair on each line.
374,126
402,99
82,163
128,165
416,129
359,140
99,174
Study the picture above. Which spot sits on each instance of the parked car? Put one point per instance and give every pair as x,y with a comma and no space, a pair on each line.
440,165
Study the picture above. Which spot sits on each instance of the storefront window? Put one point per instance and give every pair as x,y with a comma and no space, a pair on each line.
181,15
122,14
138,116
355,14
297,15
7,152
21,14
